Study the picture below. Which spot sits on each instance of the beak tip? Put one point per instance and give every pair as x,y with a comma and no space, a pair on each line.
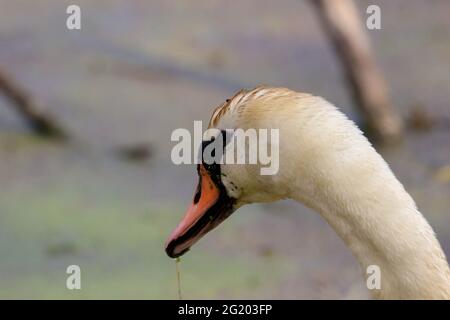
170,248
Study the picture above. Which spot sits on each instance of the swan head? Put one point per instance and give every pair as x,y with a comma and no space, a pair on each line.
326,163
224,187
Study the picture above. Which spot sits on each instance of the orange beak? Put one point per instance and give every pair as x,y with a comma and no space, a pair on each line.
209,208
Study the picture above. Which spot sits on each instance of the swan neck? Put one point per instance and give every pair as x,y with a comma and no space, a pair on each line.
383,228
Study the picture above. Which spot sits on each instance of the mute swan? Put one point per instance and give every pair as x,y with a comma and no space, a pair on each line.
328,165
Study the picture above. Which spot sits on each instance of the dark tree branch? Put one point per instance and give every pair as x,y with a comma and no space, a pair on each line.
38,121
346,32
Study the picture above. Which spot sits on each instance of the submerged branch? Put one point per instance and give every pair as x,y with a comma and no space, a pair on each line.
345,30
38,121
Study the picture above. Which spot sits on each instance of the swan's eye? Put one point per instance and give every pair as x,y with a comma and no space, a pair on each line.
213,169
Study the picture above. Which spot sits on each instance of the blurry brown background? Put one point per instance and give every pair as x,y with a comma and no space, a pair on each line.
136,71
